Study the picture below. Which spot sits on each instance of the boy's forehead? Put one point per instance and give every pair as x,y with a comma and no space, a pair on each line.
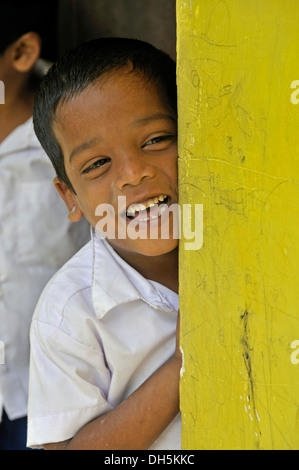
114,90
107,109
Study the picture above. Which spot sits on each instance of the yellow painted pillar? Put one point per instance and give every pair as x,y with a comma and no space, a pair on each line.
238,78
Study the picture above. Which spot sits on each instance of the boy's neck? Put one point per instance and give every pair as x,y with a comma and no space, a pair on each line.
15,111
162,269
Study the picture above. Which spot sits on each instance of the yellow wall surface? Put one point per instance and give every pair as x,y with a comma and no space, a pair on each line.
239,156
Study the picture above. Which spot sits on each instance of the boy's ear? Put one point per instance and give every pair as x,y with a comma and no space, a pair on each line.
26,51
75,213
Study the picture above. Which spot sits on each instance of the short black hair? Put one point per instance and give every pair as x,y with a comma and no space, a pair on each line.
86,64
18,17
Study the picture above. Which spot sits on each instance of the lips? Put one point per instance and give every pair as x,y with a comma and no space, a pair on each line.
150,208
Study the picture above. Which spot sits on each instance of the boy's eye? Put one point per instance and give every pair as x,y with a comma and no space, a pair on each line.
96,164
159,140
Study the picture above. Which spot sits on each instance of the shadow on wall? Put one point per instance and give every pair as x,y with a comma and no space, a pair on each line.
149,20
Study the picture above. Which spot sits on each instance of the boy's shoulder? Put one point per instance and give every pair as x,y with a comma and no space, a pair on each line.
71,279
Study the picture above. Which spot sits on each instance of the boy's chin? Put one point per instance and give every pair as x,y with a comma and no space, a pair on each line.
158,247
148,248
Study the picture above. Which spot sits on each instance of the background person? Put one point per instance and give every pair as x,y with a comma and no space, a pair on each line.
35,236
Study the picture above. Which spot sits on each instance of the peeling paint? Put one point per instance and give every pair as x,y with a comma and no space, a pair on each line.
247,354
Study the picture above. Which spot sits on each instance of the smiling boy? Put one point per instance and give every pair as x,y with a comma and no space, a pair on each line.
105,357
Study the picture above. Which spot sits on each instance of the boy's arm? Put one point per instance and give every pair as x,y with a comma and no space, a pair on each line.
138,421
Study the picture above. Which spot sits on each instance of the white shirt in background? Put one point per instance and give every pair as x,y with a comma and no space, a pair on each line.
36,239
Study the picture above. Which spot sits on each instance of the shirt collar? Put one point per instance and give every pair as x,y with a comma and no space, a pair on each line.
21,138
115,282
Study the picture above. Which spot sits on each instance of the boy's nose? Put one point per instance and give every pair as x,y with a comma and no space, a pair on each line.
133,169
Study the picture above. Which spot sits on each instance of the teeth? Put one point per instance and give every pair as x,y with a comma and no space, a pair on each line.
142,206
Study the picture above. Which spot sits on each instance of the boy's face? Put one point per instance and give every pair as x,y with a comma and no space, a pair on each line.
119,138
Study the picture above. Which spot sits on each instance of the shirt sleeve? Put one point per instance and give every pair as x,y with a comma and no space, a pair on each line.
68,385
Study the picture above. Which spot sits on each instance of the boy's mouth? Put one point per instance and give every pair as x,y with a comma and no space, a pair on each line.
150,209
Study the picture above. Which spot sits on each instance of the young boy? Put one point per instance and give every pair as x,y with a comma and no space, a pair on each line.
105,358
35,237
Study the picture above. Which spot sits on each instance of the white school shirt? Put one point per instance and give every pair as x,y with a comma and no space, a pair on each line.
36,239
99,331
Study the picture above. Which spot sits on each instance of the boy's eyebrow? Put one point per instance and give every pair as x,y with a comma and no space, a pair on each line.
154,117
85,146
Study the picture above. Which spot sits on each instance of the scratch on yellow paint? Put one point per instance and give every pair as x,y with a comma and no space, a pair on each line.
239,157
